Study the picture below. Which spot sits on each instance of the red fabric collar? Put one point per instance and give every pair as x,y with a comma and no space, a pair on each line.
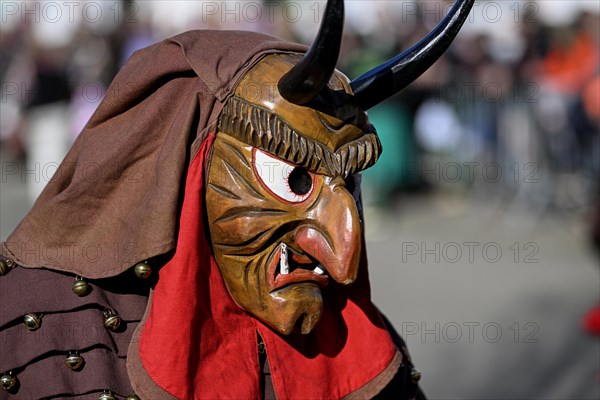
197,343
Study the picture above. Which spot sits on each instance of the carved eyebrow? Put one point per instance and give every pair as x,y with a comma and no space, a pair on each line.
260,128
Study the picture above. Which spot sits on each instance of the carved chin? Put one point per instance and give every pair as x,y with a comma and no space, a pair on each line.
297,306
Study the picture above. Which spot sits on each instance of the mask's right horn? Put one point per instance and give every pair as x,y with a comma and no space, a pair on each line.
391,77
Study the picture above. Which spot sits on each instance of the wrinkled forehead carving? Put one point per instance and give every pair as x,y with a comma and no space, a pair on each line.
327,135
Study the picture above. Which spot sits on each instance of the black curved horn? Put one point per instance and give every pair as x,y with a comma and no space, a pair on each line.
394,75
302,83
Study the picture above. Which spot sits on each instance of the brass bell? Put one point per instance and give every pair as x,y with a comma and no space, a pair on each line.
142,270
81,288
112,320
7,381
415,375
133,396
106,395
32,321
6,266
74,361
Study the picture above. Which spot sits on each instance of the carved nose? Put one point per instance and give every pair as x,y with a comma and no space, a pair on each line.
332,234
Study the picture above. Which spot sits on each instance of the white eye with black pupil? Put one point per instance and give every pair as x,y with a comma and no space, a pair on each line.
284,180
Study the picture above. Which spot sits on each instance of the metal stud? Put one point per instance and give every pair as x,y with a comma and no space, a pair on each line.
133,396
81,288
74,361
142,270
415,375
112,320
8,381
6,266
106,395
32,321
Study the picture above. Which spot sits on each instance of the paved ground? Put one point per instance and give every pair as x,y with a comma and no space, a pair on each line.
481,325
488,295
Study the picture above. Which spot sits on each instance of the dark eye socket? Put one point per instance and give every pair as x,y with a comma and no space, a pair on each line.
300,181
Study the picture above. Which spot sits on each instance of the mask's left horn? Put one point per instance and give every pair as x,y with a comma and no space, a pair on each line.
306,79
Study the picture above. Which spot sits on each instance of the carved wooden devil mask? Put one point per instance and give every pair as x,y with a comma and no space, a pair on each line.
282,188
282,215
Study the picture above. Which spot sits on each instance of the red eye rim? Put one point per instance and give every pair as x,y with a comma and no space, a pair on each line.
268,189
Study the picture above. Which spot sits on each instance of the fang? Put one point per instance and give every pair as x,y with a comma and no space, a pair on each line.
284,267
318,270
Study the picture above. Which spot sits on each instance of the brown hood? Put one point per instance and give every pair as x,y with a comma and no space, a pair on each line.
114,200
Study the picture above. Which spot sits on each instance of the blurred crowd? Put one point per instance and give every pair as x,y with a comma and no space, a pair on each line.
512,110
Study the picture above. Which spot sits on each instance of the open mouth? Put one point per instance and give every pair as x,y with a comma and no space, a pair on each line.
287,267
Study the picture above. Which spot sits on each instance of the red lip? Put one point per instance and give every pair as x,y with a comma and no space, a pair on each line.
298,275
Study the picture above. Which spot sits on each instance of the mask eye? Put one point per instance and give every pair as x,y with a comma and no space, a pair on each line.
286,181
